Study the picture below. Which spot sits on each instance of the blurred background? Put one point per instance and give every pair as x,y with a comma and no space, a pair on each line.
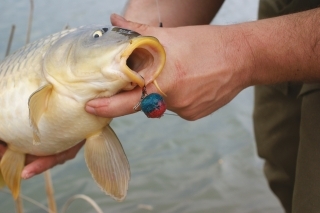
209,165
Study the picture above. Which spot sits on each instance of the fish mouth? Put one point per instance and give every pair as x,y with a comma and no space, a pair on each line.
143,60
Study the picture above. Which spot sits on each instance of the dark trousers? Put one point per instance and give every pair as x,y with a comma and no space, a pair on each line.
287,130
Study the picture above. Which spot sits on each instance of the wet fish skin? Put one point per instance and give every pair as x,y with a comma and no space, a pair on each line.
43,90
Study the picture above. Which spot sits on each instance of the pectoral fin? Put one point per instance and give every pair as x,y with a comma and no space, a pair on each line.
108,163
11,166
38,102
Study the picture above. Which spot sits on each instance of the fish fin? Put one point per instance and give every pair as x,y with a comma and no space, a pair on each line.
2,183
108,163
38,102
11,166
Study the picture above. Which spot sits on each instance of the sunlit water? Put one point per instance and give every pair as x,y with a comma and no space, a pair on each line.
209,165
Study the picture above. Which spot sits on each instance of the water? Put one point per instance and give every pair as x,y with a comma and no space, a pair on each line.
209,165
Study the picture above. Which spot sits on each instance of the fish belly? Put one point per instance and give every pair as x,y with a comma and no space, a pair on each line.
63,124
20,75
15,127
66,123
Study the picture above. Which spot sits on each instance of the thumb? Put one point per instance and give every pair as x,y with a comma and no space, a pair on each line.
117,20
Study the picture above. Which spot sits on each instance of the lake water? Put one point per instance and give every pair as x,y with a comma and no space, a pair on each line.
209,165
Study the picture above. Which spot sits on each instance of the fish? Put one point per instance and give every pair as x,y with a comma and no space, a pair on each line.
45,85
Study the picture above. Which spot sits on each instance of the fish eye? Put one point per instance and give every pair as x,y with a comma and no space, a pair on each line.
97,34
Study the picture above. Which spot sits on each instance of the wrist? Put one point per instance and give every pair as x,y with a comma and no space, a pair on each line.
239,55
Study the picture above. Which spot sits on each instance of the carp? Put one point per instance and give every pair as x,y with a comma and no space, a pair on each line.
45,85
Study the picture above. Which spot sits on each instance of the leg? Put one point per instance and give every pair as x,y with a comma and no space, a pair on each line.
306,196
276,125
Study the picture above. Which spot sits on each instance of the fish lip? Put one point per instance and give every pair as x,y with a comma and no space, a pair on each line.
156,50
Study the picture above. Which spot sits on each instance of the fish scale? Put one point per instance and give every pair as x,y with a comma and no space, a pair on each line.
45,85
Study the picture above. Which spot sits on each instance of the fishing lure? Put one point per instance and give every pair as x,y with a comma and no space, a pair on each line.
152,104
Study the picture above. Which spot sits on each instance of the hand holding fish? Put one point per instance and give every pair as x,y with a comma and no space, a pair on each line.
36,165
193,88
207,65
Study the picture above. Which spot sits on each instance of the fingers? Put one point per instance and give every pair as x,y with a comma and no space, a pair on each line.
117,20
118,105
115,106
37,165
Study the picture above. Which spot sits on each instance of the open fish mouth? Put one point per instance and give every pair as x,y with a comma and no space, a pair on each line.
142,61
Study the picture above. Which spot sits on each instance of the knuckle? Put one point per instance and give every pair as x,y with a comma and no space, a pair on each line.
181,104
189,117
190,114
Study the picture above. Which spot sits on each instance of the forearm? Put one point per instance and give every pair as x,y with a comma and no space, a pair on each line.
283,49
173,12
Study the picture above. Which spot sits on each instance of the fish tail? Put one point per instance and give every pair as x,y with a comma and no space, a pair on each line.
11,166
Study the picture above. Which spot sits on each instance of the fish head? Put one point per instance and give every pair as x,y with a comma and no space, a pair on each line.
100,61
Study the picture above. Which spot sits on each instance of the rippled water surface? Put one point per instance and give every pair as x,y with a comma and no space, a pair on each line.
209,165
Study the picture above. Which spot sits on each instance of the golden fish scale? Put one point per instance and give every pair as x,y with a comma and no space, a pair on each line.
21,75
42,111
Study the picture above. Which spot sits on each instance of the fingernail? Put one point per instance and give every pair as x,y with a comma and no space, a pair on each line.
91,110
116,16
26,175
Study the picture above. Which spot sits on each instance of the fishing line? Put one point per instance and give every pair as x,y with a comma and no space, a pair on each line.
159,15
161,25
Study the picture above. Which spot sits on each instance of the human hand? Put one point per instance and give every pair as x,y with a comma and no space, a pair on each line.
205,69
36,165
